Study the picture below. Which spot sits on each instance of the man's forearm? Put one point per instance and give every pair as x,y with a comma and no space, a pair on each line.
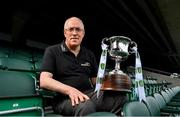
53,85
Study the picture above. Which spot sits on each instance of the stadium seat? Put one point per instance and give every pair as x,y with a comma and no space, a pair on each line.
135,108
152,105
165,110
16,64
3,54
102,114
168,97
38,65
21,56
18,94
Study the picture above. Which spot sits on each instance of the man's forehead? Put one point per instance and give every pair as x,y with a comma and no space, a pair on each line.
74,22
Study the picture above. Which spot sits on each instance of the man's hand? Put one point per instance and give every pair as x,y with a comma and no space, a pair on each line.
76,96
47,82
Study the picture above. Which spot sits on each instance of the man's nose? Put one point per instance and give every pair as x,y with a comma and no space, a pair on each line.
74,31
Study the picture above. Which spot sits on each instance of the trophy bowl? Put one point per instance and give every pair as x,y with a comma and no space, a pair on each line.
117,80
119,47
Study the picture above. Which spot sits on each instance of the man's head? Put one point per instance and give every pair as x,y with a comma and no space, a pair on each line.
73,32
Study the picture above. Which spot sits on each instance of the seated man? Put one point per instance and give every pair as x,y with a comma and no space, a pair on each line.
70,70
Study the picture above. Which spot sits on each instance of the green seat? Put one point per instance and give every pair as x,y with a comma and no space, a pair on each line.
3,54
20,56
38,55
52,115
38,60
146,87
132,95
16,64
135,108
18,95
151,88
175,97
21,106
168,99
15,83
165,96
38,65
152,106
165,110
160,100
102,114
176,91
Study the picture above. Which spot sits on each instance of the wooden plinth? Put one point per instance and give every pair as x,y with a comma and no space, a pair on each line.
117,82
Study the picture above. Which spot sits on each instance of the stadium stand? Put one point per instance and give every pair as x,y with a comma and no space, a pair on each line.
21,95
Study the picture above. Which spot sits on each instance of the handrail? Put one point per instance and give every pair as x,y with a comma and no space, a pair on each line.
22,110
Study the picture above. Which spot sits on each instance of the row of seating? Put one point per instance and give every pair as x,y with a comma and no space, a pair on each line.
151,86
20,94
164,103
21,86
20,60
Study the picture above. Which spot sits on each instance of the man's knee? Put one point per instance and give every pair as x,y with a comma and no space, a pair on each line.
85,108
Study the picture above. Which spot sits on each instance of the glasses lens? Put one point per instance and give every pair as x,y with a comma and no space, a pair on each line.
74,29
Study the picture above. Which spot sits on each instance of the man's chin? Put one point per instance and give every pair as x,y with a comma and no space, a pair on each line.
74,44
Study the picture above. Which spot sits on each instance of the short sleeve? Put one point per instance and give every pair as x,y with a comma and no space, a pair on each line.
48,61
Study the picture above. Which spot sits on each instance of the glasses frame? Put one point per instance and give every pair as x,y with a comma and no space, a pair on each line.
77,29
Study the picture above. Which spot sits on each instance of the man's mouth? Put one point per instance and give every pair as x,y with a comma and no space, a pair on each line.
74,38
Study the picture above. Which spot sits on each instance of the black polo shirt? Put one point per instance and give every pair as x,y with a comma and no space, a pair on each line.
69,69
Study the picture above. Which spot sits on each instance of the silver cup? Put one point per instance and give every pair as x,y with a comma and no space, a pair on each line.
119,48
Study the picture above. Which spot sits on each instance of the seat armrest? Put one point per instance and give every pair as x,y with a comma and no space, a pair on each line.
47,93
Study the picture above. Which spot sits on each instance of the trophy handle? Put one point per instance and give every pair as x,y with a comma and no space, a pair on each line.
131,45
105,40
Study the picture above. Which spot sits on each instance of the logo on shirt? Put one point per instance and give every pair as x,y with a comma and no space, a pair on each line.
86,64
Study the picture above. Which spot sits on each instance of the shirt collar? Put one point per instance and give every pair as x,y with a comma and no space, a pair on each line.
63,46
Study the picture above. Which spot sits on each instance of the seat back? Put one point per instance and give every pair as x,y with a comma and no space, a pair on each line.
16,64
153,106
21,54
135,108
14,83
165,96
18,95
103,114
160,100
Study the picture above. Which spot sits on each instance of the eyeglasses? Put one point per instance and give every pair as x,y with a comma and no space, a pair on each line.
74,29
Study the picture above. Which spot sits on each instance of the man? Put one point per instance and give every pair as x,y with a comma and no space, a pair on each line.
70,70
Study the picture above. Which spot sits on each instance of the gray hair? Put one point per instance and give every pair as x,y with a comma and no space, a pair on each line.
67,21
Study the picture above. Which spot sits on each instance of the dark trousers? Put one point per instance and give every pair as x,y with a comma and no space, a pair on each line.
108,101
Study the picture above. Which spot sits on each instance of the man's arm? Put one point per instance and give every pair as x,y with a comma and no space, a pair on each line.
47,82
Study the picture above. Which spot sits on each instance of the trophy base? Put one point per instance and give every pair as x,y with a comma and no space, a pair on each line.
116,82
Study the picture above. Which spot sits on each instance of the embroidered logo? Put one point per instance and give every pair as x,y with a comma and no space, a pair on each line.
86,64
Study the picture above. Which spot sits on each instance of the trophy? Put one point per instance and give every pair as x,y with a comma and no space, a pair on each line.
119,49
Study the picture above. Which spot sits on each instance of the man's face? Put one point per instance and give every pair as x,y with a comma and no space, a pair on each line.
74,32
